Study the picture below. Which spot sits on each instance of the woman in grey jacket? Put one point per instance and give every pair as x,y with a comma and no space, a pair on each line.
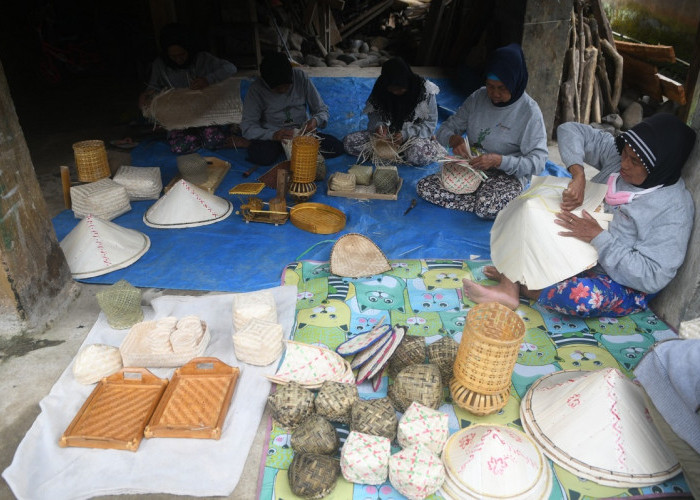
646,240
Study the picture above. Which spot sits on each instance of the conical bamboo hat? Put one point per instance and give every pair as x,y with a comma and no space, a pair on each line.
596,425
95,247
186,205
542,257
355,256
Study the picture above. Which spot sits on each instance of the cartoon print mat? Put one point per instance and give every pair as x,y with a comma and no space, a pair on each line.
425,295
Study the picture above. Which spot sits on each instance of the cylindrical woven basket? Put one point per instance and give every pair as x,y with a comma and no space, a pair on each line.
420,383
291,404
315,435
487,352
91,160
411,351
443,353
312,475
304,158
374,416
335,399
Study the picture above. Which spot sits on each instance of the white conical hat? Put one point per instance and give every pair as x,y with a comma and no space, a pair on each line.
543,257
494,461
95,247
186,205
596,425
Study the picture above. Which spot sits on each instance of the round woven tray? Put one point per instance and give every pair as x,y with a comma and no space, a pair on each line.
91,160
317,218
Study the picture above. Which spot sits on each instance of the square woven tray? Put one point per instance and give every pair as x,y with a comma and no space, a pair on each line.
196,401
116,412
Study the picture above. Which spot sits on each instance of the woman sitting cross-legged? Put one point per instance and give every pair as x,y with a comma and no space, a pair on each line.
504,123
401,106
647,238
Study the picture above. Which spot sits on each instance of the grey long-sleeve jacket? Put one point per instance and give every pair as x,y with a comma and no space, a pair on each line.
205,65
647,239
265,111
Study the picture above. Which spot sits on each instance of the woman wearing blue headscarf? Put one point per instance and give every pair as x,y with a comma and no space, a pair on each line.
505,127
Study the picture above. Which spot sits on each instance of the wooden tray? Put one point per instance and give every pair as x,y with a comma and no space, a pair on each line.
116,412
217,170
365,193
317,218
196,401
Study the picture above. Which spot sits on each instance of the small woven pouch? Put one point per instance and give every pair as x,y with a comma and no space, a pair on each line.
411,351
442,353
459,179
423,425
315,435
416,472
313,476
416,383
362,173
386,179
335,399
374,416
364,458
121,303
291,404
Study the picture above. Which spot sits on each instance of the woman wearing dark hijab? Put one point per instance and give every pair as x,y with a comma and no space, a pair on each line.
503,123
402,105
180,66
647,239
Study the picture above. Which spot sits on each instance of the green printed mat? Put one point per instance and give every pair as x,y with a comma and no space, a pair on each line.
426,295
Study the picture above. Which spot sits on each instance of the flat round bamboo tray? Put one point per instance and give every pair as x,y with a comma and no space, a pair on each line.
317,218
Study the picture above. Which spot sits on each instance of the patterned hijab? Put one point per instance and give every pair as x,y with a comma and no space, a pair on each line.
508,64
397,109
663,143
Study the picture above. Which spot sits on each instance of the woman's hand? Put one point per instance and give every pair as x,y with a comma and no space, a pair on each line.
459,146
486,161
397,138
382,131
572,197
199,83
583,228
283,134
309,126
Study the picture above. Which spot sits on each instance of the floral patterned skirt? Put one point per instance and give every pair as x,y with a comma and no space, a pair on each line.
592,294
191,139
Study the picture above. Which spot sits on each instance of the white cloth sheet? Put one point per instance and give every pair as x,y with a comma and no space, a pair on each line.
198,467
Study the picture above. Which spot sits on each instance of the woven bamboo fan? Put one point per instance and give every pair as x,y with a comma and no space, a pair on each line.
290,404
335,399
411,351
315,435
317,218
312,475
374,416
304,158
91,160
419,383
354,256
486,357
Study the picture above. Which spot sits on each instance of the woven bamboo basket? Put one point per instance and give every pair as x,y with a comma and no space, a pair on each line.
301,191
443,353
459,179
485,359
335,399
317,218
312,475
374,416
121,303
304,158
91,160
315,435
419,383
291,404
411,351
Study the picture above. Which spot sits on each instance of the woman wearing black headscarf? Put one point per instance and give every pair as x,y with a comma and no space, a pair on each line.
402,105
504,127
181,66
647,239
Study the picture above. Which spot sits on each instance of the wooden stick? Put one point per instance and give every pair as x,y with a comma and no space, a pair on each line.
587,83
65,183
616,58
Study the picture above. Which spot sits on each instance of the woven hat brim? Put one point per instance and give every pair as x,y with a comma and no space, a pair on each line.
354,256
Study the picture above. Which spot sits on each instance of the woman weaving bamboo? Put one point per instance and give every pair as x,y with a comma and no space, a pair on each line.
646,240
504,123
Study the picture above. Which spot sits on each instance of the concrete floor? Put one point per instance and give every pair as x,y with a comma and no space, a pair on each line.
52,121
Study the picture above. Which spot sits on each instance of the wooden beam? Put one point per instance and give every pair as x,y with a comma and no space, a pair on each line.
672,89
360,21
653,53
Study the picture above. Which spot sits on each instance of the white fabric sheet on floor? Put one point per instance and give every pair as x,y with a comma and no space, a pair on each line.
198,467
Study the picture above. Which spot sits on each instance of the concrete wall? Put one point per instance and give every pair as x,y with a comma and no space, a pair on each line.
680,300
34,276
545,40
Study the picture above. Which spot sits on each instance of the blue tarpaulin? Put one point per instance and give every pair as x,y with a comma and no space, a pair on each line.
236,256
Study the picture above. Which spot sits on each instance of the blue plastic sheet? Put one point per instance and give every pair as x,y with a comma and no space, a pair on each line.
236,256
